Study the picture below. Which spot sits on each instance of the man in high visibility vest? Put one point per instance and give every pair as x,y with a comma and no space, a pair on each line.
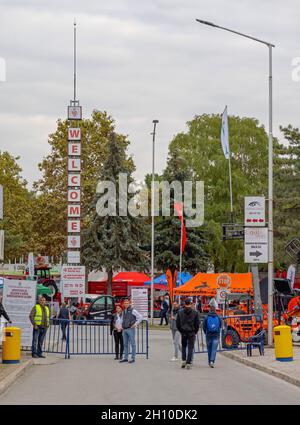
40,319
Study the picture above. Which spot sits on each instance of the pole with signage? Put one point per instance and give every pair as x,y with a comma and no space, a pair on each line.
74,182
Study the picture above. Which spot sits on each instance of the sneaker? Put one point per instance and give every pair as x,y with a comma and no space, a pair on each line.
188,366
183,364
132,361
211,364
174,359
35,356
116,358
41,356
123,361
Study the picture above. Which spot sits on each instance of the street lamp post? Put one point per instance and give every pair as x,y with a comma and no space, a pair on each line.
270,176
155,122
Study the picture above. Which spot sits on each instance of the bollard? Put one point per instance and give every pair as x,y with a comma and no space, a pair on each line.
11,346
283,343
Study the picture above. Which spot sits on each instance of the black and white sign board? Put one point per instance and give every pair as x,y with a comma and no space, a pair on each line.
256,245
255,211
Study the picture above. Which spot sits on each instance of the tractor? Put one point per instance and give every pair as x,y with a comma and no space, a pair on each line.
43,276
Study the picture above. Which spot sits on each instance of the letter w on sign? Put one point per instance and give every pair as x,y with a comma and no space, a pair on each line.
74,134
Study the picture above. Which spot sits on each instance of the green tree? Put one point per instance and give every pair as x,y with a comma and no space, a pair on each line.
50,215
112,241
18,204
168,229
286,193
202,156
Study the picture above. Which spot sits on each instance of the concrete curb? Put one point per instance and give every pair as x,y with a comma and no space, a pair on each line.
14,375
262,368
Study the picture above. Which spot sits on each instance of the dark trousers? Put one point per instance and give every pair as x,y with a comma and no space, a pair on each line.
212,342
163,315
188,343
38,337
63,326
119,343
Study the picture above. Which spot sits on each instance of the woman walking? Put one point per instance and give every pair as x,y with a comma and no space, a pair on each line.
117,332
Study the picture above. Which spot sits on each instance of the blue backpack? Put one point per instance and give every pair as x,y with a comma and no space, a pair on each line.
213,324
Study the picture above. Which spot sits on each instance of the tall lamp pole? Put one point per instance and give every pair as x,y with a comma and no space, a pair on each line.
270,176
155,122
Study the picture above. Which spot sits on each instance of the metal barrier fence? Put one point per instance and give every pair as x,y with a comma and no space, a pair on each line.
88,337
237,331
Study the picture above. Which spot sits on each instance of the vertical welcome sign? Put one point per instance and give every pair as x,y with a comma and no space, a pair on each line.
74,183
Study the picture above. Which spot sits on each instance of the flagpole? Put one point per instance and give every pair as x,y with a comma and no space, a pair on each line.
230,187
180,258
155,122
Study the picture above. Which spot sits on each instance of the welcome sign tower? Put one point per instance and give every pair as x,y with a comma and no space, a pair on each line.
73,274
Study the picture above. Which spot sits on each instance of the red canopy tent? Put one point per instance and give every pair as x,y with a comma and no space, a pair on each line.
131,278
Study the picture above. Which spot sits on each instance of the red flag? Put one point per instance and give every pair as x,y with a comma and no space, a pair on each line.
179,209
170,283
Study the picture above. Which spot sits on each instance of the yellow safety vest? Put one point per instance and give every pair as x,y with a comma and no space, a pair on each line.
39,315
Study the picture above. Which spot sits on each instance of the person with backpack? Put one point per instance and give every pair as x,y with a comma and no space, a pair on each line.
188,323
212,326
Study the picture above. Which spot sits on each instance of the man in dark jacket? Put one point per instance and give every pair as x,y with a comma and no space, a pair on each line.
188,323
64,316
212,326
131,320
163,311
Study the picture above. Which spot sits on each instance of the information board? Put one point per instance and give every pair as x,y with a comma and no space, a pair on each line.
19,297
139,301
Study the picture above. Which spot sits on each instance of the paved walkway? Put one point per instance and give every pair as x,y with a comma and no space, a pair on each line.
94,380
289,371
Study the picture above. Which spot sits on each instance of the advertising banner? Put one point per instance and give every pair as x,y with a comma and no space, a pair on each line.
19,297
139,299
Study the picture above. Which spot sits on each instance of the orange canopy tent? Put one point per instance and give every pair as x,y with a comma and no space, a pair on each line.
208,283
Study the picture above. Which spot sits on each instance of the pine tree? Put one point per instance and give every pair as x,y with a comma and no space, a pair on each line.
168,229
111,242
286,193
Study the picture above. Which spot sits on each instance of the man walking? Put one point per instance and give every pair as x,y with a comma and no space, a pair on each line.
163,311
212,326
175,331
64,316
131,320
40,319
188,325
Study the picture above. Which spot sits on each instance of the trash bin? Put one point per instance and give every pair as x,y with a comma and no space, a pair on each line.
283,343
11,346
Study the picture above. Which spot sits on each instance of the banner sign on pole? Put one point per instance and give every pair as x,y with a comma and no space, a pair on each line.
19,297
31,264
73,281
255,214
1,202
139,300
1,245
256,245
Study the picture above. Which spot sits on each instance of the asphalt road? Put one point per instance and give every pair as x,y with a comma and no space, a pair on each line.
101,380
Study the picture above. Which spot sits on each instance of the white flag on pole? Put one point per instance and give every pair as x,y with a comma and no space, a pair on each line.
224,134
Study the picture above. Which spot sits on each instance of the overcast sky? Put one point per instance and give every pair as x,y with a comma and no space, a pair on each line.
141,60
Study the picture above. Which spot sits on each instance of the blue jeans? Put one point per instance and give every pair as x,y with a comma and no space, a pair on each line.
38,337
129,338
212,342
